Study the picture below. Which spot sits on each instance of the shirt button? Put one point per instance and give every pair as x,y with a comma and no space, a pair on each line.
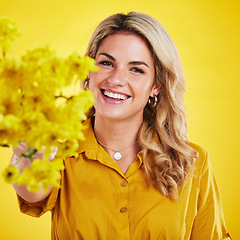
123,209
123,183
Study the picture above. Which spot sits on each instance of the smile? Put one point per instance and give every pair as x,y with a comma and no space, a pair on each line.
116,96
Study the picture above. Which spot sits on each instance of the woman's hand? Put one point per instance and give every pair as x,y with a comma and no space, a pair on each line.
21,163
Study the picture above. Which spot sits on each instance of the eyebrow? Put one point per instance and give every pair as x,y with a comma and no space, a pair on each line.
130,63
138,63
107,55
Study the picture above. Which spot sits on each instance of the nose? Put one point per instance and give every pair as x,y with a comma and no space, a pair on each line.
116,78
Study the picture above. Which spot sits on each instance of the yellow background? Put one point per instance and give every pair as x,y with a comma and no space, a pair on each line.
206,34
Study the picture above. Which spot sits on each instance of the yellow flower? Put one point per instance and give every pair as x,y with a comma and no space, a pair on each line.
8,32
35,101
80,104
10,130
37,107
38,55
81,65
11,174
87,64
8,68
45,71
68,148
10,104
11,73
41,174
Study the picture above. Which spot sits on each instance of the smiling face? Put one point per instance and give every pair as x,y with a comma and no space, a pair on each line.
125,80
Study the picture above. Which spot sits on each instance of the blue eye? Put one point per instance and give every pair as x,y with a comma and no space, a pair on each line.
106,63
137,70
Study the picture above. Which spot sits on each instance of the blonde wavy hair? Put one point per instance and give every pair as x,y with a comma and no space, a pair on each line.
166,154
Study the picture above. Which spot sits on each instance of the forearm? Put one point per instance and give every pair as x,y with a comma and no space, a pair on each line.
31,196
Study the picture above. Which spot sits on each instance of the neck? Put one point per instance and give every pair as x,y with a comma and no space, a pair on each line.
116,134
119,135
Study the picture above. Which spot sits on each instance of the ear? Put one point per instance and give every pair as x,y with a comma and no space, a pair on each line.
155,90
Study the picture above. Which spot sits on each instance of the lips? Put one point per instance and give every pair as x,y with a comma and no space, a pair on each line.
114,95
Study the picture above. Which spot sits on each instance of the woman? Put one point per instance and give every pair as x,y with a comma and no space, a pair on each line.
137,176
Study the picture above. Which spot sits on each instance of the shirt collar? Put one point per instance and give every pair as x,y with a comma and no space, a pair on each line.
89,145
94,151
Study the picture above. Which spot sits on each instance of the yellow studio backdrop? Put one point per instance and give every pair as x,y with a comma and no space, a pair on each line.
207,35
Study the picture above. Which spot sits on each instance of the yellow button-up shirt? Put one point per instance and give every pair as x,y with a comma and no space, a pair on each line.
97,201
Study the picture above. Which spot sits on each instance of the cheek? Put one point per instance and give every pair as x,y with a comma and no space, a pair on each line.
144,87
97,76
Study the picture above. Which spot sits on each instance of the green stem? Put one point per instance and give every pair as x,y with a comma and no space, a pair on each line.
4,145
29,153
62,96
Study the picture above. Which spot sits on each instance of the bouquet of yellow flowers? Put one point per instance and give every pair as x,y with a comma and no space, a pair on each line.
37,108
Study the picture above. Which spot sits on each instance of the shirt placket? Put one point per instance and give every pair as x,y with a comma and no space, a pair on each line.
123,208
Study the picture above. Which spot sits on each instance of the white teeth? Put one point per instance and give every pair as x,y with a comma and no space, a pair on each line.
114,95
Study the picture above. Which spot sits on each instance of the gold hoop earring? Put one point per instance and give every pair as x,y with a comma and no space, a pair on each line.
85,85
152,101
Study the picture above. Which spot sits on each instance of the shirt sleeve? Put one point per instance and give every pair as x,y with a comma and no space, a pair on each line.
39,208
209,221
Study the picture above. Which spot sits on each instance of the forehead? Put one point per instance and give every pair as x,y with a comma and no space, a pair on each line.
126,43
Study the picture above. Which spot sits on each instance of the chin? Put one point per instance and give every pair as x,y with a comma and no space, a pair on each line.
112,116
